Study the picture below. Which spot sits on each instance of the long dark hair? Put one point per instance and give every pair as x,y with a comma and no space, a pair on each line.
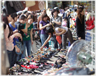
5,20
13,15
44,15
79,15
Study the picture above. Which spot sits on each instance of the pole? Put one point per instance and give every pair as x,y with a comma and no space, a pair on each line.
46,4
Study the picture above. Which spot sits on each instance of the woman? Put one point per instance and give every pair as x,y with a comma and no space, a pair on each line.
18,45
67,35
57,20
9,35
58,31
80,26
27,38
43,24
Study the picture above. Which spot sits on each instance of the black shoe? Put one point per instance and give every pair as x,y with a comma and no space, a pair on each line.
57,65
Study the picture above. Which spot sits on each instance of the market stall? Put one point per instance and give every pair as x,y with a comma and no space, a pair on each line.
77,59
54,62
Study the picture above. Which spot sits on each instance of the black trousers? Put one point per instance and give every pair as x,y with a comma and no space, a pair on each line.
64,38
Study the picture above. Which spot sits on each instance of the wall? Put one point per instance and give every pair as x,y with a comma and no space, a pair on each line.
35,7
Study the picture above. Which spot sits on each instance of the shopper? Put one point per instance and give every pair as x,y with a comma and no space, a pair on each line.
40,18
68,18
67,35
62,30
57,20
22,29
27,38
58,31
9,35
18,45
43,25
80,25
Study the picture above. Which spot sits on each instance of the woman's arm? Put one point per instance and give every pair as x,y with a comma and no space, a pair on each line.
15,35
58,23
42,27
17,49
15,31
31,33
38,20
46,41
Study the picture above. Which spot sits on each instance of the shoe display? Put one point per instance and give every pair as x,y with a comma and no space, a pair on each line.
37,64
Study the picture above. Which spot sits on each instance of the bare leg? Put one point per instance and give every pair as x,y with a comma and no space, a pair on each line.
46,41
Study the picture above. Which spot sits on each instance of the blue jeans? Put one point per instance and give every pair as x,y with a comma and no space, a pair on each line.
43,38
11,57
21,47
56,44
27,44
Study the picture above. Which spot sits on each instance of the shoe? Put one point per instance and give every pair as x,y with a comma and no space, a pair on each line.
60,62
57,65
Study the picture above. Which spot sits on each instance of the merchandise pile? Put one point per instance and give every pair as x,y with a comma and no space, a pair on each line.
41,63
47,62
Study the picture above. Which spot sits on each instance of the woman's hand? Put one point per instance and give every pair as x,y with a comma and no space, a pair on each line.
41,48
47,25
53,22
17,49
31,42
16,31
11,38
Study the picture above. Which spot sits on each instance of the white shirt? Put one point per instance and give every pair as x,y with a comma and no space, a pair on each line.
56,29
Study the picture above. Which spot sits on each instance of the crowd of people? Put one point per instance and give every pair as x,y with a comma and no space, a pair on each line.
18,31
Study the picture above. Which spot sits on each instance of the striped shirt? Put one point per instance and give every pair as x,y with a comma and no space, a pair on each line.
57,19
